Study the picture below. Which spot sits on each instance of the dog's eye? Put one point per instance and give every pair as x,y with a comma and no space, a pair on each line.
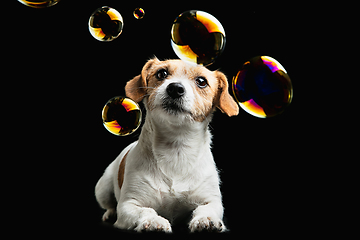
201,82
161,74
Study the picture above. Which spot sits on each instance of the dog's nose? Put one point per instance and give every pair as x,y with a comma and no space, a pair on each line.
175,90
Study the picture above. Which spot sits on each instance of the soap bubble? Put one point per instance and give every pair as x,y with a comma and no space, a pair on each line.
139,13
105,24
121,116
39,3
197,37
262,87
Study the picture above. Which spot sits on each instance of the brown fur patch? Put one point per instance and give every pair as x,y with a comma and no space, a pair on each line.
122,171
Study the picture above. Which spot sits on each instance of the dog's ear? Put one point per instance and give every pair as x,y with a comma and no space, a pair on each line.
226,103
136,88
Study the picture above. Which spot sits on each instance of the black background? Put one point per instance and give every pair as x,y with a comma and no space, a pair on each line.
64,77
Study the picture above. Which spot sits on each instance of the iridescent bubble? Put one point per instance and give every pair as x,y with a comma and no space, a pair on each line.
121,116
105,24
139,13
39,3
262,87
197,37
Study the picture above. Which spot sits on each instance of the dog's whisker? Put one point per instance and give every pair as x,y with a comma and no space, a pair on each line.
147,87
141,87
145,95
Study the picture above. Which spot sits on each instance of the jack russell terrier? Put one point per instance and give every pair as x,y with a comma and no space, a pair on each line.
170,170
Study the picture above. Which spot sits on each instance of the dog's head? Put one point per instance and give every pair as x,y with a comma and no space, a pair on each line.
181,91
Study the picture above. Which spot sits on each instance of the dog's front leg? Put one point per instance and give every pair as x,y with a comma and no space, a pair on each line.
208,217
134,217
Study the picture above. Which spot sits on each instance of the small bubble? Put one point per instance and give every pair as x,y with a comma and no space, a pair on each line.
121,116
105,24
39,3
139,13
197,37
262,87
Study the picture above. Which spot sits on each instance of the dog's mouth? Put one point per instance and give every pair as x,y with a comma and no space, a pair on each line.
173,107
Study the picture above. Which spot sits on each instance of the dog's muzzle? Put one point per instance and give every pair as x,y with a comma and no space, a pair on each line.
173,102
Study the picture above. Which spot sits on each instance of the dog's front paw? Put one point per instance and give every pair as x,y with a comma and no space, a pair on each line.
206,223
155,223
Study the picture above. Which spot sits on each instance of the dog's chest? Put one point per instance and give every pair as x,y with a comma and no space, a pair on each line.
176,197
174,184
174,189
179,170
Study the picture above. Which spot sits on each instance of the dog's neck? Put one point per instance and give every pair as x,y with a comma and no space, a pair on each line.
175,147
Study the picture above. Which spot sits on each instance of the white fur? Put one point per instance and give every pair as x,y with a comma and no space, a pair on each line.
169,171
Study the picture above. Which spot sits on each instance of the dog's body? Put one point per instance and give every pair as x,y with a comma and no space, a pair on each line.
170,170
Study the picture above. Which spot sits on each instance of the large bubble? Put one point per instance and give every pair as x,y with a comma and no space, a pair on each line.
39,3
197,37
121,116
105,24
262,87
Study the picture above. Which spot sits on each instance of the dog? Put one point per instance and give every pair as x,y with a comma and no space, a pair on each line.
170,170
